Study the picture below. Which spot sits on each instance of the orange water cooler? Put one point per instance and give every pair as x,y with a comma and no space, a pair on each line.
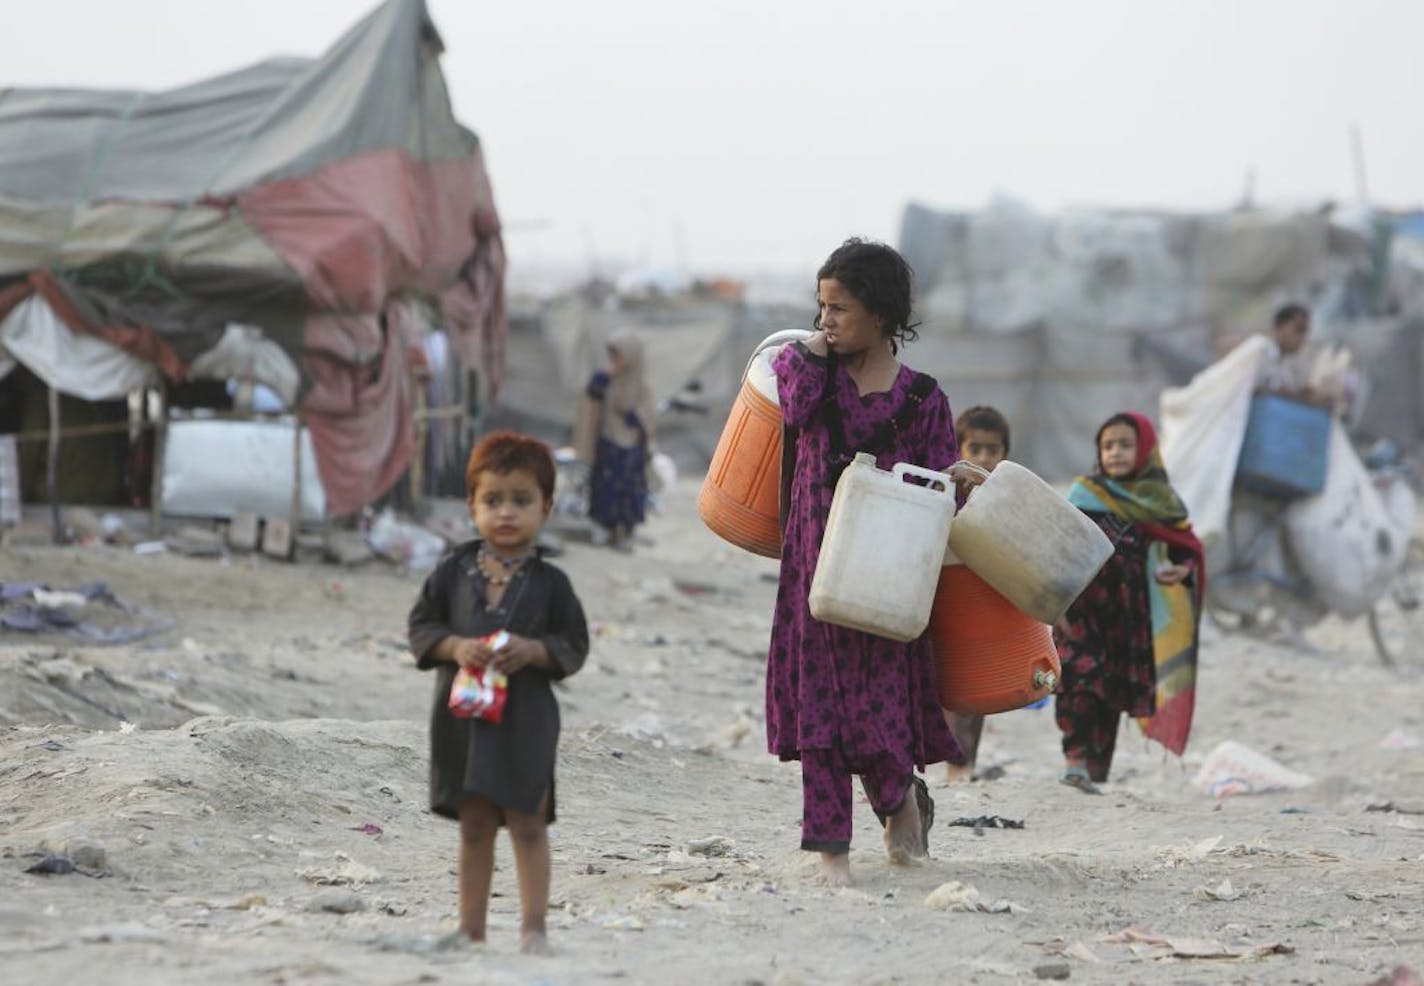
991,656
741,496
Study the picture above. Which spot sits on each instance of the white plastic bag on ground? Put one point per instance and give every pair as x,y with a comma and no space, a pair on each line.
404,543
1352,538
1233,768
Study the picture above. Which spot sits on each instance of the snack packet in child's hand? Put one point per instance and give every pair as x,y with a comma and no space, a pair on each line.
479,693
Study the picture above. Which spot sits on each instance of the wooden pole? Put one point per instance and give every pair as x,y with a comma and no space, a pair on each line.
158,407
52,468
417,462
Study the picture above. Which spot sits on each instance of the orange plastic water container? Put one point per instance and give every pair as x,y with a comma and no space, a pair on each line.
991,656
741,496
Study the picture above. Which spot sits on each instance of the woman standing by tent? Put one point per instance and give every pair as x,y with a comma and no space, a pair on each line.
1129,642
615,433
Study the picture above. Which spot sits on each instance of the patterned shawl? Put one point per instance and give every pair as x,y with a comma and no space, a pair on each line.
1146,498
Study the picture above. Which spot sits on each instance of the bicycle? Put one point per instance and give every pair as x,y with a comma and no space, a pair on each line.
1257,590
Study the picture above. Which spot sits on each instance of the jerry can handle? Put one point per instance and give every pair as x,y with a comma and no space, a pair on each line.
775,339
962,466
942,480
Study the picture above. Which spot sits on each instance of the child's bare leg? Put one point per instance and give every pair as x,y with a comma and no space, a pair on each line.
835,869
530,835
479,821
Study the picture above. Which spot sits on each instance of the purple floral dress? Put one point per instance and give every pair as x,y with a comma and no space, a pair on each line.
829,687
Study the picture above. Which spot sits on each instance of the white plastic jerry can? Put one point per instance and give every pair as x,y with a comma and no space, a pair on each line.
883,547
1027,541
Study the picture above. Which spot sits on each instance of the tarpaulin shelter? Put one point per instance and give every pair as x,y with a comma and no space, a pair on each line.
316,199
1062,320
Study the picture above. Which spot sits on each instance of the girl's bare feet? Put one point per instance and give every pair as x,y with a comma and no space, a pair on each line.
534,943
958,773
905,831
835,869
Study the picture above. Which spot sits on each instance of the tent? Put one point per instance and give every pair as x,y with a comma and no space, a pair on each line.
318,200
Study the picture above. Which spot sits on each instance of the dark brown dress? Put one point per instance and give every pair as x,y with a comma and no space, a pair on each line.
510,763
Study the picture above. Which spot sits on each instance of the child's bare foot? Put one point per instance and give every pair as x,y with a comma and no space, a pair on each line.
958,773
534,943
906,831
835,869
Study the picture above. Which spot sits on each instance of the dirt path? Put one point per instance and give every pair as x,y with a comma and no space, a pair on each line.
272,777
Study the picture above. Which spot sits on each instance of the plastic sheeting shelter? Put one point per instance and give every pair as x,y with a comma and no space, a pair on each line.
308,197
1061,321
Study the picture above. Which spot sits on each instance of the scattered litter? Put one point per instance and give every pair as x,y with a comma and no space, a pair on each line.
1194,948
1081,952
370,828
734,732
128,728
1222,891
196,542
1390,806
56,599
32,607
1173,856
346,872
1232,768
1402,975
983,822
53,746
717,845
623,922
404,543
1294,810
1398,739
953,896
956,896
1053,970
336,902
150,548
54,864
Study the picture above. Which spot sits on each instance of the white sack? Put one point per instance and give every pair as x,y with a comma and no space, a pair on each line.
216,468
1351,539
1203,426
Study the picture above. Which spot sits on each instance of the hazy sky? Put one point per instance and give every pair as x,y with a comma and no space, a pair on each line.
762,133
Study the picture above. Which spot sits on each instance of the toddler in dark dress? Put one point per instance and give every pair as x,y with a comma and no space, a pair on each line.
486,774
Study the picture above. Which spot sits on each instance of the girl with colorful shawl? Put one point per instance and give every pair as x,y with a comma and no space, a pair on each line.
1129,642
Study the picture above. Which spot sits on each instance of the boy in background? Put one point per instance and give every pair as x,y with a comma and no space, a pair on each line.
983,435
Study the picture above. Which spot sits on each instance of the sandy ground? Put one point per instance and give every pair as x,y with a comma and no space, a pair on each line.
244,794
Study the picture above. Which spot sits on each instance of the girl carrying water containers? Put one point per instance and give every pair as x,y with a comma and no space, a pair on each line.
1129,642
842,701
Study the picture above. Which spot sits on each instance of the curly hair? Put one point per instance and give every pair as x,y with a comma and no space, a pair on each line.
506,451
880,279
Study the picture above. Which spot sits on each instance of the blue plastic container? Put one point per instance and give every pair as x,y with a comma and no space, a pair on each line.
1287,446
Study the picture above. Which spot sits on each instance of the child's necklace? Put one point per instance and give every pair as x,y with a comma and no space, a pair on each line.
498,571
